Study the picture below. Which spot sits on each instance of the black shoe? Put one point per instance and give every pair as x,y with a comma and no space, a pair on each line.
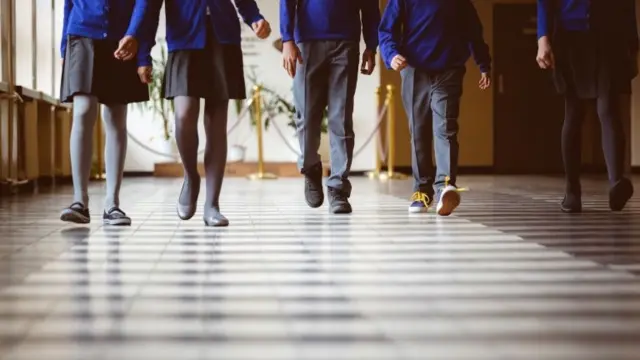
313,192
116,217
339,202
76,213
619,194
571,203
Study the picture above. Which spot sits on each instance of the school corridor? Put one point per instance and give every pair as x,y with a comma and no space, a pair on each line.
508,276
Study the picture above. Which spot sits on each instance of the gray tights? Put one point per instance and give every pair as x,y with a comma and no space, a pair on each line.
85,111
215,159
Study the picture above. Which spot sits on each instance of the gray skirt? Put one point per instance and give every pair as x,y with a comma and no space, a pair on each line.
215,72
589,65
89,68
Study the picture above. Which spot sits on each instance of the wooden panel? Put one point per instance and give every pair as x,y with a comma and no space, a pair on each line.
63,135
30,140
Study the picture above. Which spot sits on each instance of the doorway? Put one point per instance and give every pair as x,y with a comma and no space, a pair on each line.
528,113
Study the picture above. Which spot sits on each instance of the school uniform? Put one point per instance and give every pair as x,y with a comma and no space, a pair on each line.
203,40
91,32
436,37
593,41
328,34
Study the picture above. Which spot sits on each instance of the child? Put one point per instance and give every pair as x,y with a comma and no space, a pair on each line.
429,42
205,62
102,65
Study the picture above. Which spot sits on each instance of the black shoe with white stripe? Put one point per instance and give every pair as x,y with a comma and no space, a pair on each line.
116,217
76,213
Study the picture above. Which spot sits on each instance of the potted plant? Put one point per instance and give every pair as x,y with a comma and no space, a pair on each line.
157,105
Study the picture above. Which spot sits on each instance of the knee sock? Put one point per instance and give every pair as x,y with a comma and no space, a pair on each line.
115,124
215,158
187,110
613,138
85,112
572,142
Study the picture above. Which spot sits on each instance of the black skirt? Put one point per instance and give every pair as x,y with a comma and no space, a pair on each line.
589,65
215,72
90,68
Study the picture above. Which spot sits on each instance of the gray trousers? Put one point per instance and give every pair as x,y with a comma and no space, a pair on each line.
327,80
432,103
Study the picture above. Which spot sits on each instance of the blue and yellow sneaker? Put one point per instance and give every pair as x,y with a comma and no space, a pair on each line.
420,203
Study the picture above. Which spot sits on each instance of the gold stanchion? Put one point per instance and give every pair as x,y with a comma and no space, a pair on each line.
391,137
375,174
257,104
99,139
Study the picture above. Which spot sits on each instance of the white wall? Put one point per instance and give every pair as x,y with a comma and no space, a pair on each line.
268,67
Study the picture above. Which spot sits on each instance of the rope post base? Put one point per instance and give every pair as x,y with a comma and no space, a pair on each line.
392,176
257,103
263,176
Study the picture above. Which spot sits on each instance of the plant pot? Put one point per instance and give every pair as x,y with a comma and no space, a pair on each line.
236,153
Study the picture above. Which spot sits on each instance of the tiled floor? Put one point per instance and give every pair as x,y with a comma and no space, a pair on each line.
508,277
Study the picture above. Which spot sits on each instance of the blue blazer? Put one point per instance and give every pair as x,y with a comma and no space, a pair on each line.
105,19
186,21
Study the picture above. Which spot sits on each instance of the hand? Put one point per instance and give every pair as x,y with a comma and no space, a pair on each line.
127,49
545,57
262,28
368,62
291,57
146,74
485,81
398,63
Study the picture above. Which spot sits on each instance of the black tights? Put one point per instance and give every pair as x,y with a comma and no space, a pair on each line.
215,157
613,140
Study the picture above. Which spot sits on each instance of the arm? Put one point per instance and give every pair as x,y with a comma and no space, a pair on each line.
370,10
148,32
545,17
137,19
249,11
68,5
479,48
390,31
287,19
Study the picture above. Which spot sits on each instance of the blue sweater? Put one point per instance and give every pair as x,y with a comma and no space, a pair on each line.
613,17
433,35
106,19
187,21
313,20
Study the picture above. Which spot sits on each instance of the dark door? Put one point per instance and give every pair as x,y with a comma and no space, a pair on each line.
528,112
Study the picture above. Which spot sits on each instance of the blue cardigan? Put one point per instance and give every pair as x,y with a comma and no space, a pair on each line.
186,21
309,20
433,35
106,19
614,17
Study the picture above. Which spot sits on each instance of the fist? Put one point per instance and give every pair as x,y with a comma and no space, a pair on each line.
398,63
146,74
262,28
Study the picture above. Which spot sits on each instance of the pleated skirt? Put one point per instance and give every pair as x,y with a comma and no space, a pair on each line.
589,65
89,68
215,72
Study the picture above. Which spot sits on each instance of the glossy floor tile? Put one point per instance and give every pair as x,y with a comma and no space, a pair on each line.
507,277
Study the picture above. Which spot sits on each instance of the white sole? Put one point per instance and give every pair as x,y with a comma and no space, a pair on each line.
418,210
119,222
448,203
